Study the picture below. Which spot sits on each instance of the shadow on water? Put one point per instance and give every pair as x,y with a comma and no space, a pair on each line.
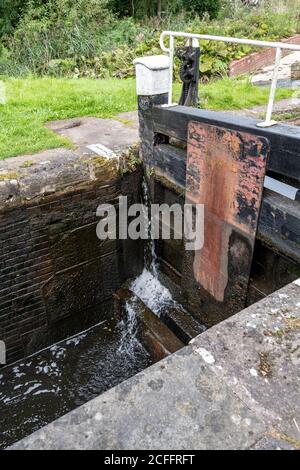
45,386
49,384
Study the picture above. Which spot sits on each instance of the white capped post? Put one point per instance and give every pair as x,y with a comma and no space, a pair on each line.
152,75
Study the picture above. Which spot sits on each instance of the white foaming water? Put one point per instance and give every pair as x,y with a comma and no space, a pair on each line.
129,344
147,286
150,257
151,291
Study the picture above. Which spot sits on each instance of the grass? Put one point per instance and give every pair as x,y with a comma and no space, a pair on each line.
229,94
33,102
30,103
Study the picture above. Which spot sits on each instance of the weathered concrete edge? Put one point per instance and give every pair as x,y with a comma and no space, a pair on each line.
27,178
217,393
23,179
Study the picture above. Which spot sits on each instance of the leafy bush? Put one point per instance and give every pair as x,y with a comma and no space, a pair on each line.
200,7
149,8
10,13
82,38
59,29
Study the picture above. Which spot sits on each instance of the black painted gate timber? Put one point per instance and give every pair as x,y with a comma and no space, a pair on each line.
164,137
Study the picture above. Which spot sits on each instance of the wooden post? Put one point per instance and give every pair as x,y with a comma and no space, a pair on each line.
152,84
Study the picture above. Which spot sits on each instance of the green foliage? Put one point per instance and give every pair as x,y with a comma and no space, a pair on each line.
147,8
263,25
58,29
10,13
200,7
84,38
150,8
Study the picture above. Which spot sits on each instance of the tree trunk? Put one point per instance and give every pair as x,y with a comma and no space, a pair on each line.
159,2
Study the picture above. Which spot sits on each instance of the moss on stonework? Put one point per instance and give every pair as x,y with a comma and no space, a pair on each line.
268,242
13,175
275,334
126,122
105,169
130,159
167,183
292,323
265,367
28,164
283,437
100,161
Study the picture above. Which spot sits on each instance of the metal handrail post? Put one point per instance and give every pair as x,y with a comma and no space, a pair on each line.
279,46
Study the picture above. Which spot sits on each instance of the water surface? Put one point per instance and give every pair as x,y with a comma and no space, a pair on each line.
38,390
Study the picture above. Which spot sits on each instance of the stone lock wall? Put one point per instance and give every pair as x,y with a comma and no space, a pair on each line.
56,276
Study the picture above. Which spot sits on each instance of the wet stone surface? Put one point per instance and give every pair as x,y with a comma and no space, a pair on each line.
43,387
259,357
235,387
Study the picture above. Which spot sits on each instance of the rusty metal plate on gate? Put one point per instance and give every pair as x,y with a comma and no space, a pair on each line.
225,172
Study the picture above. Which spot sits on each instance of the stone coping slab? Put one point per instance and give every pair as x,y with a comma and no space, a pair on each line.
23,179
236,386
116,134
28,177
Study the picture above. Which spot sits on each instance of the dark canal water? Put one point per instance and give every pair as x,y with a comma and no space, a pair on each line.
38,390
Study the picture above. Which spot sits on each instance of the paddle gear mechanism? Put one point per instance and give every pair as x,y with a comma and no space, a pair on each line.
189,74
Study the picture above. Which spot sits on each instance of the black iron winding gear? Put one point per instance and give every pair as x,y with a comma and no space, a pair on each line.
189,74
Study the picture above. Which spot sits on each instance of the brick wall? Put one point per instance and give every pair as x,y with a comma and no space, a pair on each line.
56,277
253,62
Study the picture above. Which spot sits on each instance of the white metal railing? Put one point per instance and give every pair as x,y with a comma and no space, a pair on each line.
279,46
